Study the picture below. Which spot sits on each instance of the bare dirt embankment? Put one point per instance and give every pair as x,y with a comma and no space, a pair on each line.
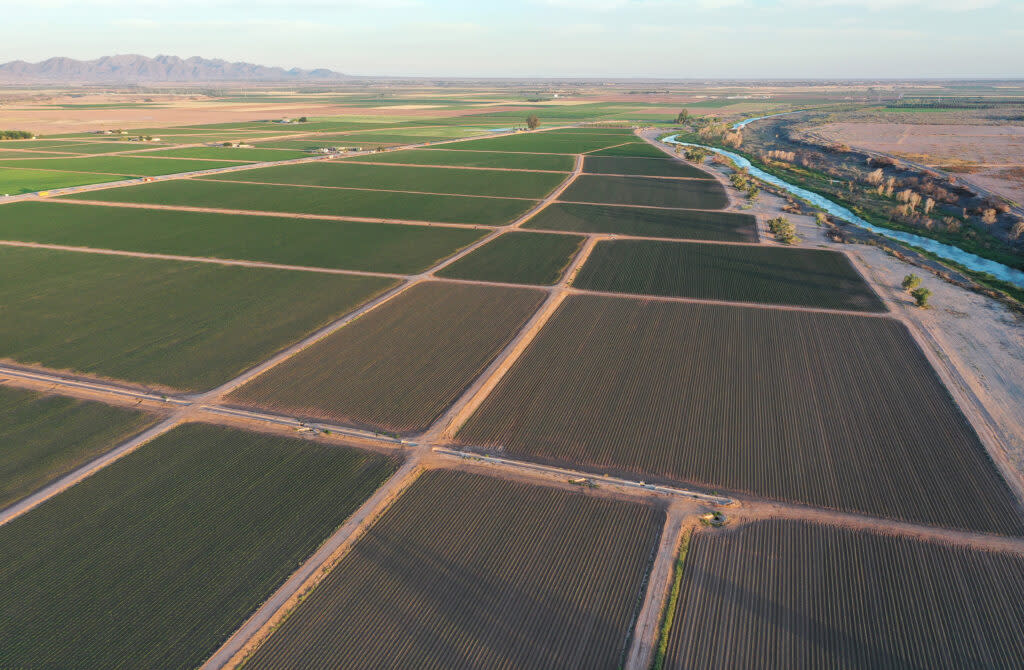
990,156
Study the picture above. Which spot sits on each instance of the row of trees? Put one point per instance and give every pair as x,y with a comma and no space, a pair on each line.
15,135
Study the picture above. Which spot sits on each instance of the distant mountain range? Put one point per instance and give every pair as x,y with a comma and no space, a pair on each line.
135,68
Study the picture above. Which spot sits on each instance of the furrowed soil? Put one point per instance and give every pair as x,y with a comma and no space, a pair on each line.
400,366
465,571
795,594
833,410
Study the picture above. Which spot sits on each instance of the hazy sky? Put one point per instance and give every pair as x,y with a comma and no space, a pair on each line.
659,38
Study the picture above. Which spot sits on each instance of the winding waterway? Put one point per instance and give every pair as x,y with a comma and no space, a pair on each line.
946,251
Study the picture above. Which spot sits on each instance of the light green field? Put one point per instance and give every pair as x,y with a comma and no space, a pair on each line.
360,175
17,181
374,247
231,154
451,155
322,201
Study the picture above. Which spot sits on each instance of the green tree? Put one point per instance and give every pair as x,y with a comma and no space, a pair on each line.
911,282
921,296
683,117
532,122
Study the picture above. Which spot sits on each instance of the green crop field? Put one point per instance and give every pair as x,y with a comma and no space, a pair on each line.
350,174
638,148
32,154
642,167
323,201
16,181
90,148
373,247
155,560
826,409
518,258
400,366
473,572
183,325
137,165
647,191
43,437
679,224
746,273
230,154
806,595
486,159
551,141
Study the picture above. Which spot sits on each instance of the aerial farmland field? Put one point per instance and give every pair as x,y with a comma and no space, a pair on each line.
518,258
642,167
747,273
486,159
20,180
783,404
353,175
43,437
647,191
137,165
636,149
400,366
495,574
796,594
155,559
646,222
352,245
181,325
255,197
553,142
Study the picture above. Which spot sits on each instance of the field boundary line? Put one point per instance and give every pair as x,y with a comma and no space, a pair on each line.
373,190
659,584
276,609
46,376
198,259
279,215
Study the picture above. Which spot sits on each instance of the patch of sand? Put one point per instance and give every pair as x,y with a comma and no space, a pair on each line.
990,152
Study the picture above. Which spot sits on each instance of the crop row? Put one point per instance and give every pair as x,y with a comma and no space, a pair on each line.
793,594
398,367
465,571
157,558
826,409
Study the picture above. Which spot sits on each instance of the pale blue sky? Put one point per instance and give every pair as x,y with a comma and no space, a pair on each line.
602,38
